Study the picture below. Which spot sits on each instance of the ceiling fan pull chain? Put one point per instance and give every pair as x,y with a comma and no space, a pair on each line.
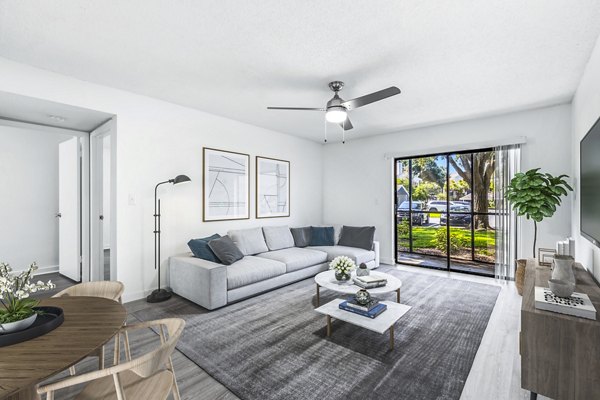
325,129
344,133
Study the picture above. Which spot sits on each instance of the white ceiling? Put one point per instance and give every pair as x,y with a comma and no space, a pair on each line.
452,60
42,112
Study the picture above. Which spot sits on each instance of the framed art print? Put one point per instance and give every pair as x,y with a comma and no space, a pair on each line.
272,188
226,185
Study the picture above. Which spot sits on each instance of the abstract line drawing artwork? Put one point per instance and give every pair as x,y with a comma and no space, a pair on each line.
272,188
226,181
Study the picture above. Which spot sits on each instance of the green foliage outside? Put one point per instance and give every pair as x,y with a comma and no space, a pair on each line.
425,191
435,238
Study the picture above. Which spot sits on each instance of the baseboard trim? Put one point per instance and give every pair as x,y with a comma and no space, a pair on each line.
385,260
129,297
47,270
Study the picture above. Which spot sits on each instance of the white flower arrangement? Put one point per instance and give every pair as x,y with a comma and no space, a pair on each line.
342,265
14,293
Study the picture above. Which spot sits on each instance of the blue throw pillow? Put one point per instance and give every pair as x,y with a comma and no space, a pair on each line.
322,236
201,250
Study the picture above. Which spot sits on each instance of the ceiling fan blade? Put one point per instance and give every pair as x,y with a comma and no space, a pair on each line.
371,98
296,108
347,125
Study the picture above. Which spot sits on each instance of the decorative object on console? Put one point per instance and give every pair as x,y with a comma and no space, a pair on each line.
362,297
566,247
272,188
362,270
322,236
16,308
357,236
563,269
226,185
545,256
200,248
520,275
159,294
343,267
578,304
536,195
226,250
561,288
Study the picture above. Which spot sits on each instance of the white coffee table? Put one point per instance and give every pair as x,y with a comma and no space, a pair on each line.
383,322
327,280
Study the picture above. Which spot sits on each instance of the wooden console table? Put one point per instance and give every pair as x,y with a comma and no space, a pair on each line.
560,354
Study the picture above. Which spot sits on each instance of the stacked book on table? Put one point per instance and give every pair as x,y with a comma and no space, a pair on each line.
370,310
369,282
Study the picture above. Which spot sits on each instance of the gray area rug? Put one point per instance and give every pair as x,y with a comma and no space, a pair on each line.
274,346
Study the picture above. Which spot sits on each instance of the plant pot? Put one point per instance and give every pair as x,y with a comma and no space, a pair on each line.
341,277
18,325
520,275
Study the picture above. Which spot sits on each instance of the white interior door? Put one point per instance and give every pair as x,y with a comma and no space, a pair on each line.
69,213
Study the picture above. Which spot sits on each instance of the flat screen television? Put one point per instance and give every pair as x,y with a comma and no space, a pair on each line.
590,185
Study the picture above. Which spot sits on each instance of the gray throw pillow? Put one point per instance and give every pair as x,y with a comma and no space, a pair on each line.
249,241
301,236
278,237
357,236
225,250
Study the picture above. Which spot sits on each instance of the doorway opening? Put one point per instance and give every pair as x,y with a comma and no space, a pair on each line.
445,211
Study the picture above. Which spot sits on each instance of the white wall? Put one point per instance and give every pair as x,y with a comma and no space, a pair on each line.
29,197
358,180
157,140
585,111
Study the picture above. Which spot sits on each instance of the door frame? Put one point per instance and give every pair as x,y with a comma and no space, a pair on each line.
97,136
84,142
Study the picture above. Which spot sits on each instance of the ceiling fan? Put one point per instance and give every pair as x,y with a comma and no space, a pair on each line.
336,110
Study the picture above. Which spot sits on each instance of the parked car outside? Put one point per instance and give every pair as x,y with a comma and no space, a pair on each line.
438,205
457,219
418,218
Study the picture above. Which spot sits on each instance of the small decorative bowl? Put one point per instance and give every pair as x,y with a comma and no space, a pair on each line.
561,288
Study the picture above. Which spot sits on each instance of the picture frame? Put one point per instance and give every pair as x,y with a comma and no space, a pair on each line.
272,187
225,185
545,256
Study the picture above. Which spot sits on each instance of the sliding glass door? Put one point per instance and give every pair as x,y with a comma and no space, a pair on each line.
444,211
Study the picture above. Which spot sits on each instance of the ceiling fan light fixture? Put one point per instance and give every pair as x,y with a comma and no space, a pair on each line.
336,115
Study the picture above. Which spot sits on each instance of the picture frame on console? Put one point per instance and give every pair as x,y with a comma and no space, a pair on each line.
226,185
272,187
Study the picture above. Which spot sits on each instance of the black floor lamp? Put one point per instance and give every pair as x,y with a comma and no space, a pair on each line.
159,294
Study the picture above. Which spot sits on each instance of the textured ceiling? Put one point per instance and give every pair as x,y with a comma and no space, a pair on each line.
452,60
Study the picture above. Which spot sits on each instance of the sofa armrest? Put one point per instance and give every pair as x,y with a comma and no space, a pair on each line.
201,281
376,250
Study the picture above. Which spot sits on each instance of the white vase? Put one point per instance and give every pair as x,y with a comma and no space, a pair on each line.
562,269
16,326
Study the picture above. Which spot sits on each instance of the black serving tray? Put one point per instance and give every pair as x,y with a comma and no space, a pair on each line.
52,318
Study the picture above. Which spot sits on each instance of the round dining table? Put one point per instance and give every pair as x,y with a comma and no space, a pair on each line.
89,323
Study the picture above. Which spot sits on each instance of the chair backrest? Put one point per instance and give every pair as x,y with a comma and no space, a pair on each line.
155,360
107,289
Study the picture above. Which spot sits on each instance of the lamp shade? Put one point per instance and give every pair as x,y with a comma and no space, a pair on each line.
181,179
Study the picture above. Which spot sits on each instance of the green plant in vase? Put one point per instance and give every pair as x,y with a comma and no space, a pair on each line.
15,289
536,195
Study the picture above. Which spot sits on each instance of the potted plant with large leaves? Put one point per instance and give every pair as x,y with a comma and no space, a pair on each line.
17,309
535,195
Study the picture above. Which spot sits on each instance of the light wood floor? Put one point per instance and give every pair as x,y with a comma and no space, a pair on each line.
495,374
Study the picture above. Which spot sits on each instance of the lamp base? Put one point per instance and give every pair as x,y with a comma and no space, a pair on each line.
158,295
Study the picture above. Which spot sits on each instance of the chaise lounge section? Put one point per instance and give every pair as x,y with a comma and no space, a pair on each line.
271,260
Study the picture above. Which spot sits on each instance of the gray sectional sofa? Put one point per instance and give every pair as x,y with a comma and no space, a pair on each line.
270,260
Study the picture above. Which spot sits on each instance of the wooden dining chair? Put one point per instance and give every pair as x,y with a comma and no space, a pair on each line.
148,377
112,290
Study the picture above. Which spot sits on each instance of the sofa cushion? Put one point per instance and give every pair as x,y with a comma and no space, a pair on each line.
322,236
249,241
356,254
251,269
201,249
301,236
278,237
296,258
357,236
225,250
